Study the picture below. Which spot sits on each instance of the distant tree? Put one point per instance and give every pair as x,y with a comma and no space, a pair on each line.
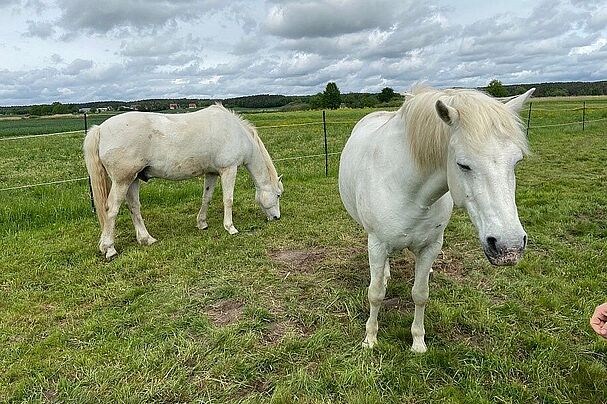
516,90
386,95
370,101
331,97
556,92
496,89
59,108
316,101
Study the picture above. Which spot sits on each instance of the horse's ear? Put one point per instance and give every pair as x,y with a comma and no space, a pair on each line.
448,114
516,104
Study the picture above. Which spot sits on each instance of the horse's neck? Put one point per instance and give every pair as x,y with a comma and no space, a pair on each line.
258,168
422,186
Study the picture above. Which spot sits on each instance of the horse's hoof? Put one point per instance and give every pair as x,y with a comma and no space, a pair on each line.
149,240
369,343
232,230
110,254
202,226
419,348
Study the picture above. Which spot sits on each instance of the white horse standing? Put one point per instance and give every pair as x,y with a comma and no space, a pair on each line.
400,173
140,145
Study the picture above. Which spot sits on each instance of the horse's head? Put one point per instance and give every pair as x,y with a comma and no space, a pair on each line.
480,172
268,199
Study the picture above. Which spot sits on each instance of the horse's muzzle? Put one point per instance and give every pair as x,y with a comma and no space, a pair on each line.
503,255
507,258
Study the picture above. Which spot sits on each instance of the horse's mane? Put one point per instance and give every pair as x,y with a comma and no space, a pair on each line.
252,132
480,117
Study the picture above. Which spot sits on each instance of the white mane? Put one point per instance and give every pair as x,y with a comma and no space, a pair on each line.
480,117
252,132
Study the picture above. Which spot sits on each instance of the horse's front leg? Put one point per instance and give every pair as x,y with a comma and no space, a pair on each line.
209,186
380,272
420,291
228,179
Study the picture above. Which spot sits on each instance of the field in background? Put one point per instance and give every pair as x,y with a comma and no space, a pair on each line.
277,312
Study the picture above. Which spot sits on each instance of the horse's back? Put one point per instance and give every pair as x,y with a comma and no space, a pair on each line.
173,146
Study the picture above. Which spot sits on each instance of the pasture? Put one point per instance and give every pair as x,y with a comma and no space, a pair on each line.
277,312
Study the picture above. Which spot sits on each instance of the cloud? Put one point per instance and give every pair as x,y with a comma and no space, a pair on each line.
159,46
77,66
211,48
111,15
325,18
41,29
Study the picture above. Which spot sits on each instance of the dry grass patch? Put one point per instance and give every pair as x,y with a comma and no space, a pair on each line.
304,261
225,312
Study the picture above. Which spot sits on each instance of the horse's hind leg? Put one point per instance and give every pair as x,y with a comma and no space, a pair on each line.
115,198
228,179
209,186
132,201
380,272
420,291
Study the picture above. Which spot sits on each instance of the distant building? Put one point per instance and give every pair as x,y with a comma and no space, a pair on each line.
173,106
84,110
192,105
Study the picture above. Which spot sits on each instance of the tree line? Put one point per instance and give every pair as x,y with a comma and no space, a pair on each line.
330,98
564,89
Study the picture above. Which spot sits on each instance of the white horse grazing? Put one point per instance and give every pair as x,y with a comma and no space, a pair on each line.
400,173
140,145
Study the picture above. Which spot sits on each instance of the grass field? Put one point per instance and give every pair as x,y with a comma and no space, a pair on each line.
277,312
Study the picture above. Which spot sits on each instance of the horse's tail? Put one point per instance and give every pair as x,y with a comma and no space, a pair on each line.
100,181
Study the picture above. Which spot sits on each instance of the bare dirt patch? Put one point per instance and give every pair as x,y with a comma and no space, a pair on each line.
277,331
450,265
304,261
225,312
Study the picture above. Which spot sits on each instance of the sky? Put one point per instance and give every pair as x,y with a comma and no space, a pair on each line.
77,51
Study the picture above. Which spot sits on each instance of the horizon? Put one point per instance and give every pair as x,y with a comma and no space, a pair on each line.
269,94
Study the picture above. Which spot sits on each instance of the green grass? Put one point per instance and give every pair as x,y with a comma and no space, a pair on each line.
202,316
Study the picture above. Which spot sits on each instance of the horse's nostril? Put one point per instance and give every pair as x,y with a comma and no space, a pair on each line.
276,217
492,244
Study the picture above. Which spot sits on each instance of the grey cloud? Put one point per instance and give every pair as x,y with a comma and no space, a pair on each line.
56,59
324,18
77,66
248,46
159,46
41,29
103,17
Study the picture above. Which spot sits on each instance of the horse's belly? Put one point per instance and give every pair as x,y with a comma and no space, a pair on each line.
178,170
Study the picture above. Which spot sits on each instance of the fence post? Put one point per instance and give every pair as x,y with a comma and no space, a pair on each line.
324,125
584,116
529,119
86,129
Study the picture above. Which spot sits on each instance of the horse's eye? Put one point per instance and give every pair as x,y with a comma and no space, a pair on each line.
464,167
